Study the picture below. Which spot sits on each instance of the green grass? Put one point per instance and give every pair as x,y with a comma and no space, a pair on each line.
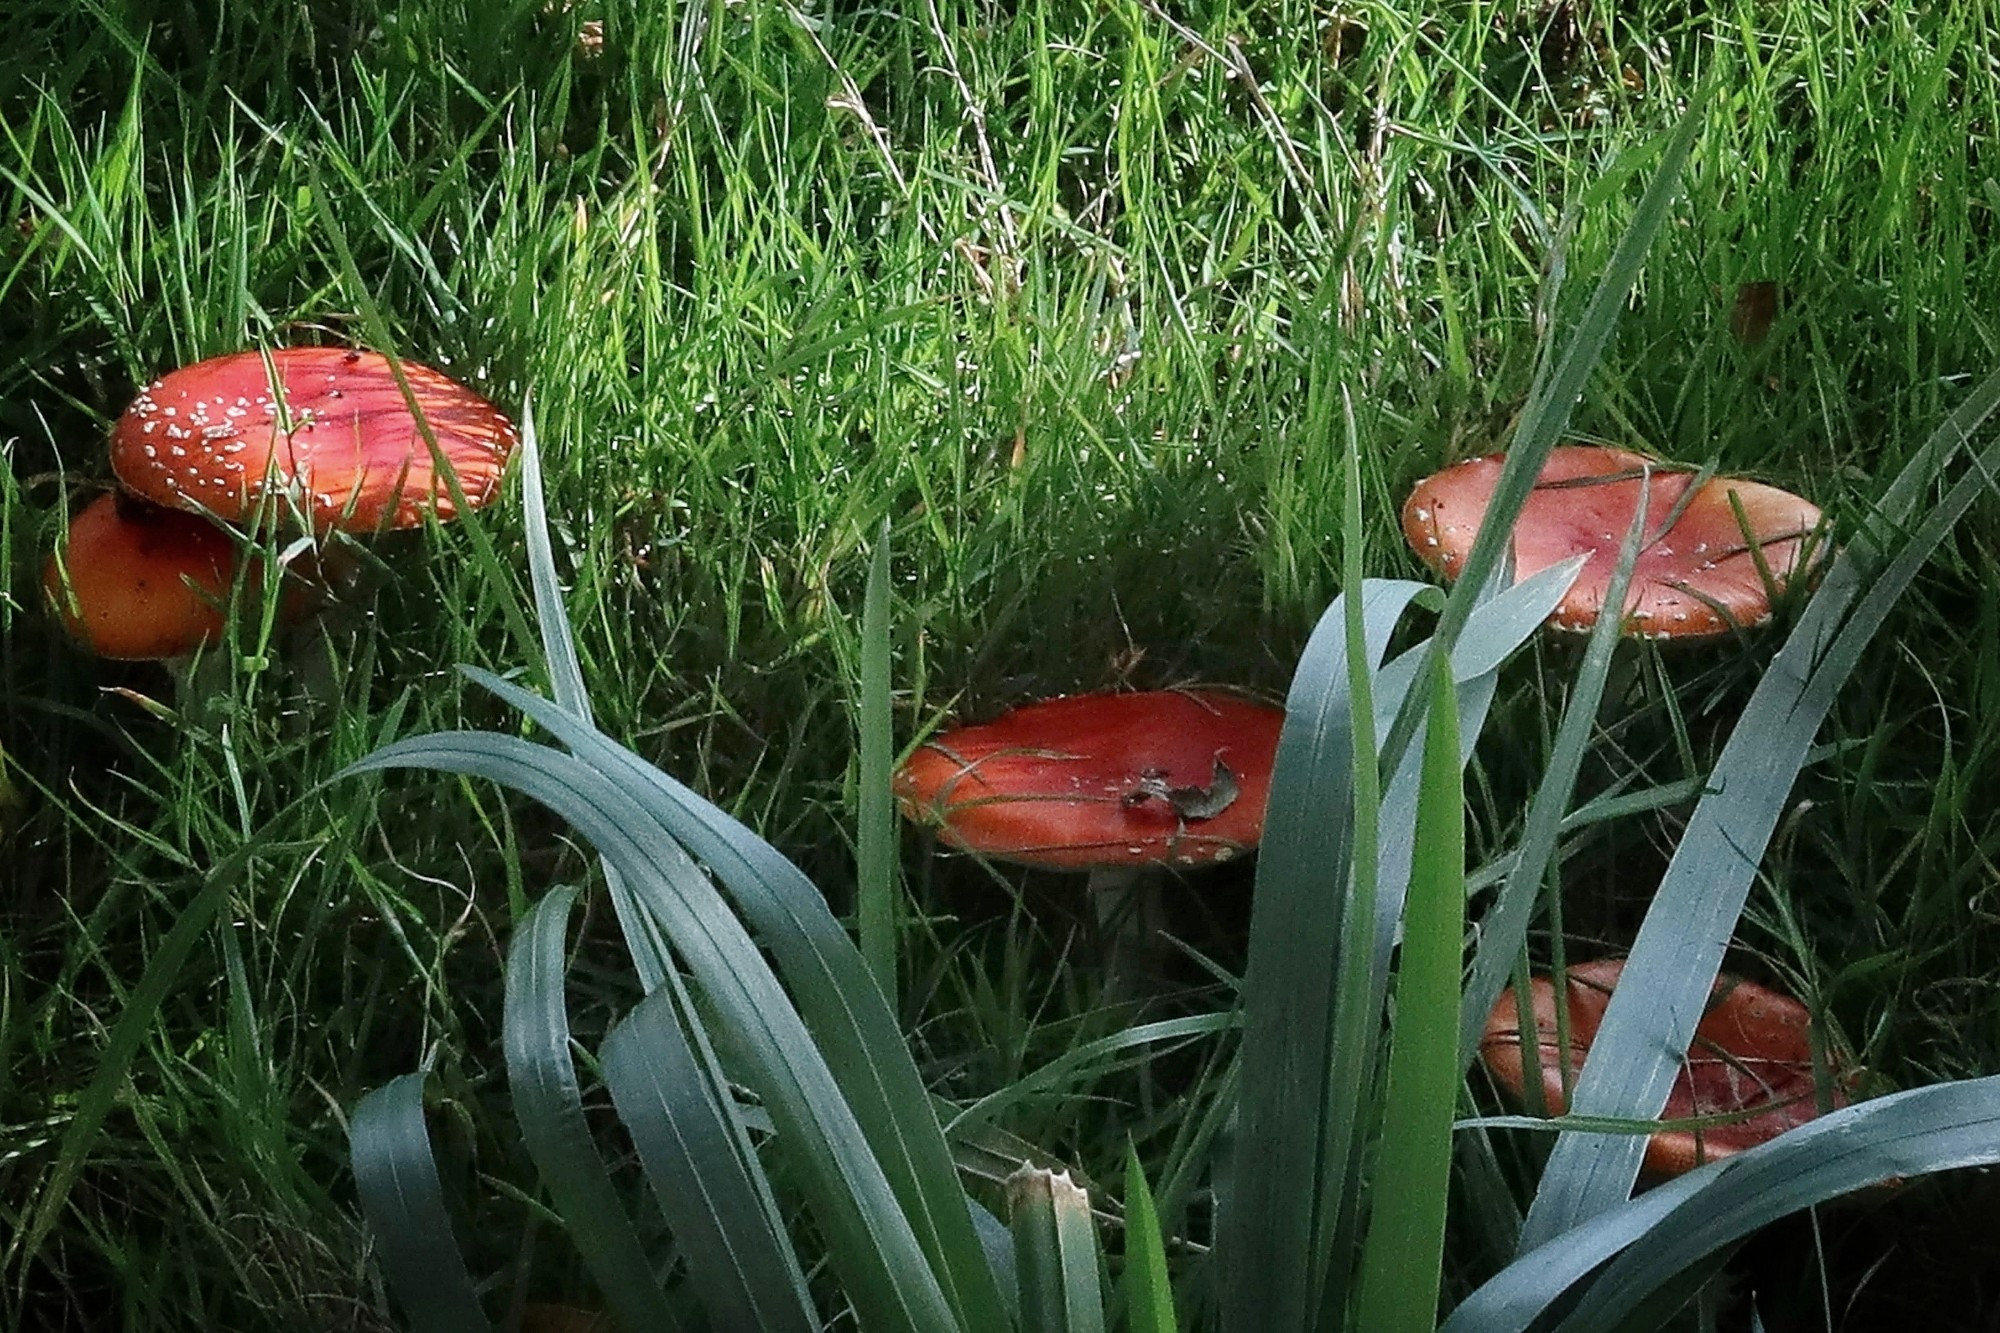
1067,296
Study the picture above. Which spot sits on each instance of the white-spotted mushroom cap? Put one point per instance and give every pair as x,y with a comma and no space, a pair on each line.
139,582
1166,777
328,424
1697,572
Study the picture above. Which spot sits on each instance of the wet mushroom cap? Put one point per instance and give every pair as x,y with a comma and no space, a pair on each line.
1176,777
143,583
339,432
1752,1049
1695,578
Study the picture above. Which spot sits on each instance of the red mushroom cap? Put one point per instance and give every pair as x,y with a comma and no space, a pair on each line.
1698,577
207,436
143,583
1175,777
1752,1050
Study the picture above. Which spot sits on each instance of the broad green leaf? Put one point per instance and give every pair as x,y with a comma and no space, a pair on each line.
1149,1292
870,1239
1679,948
681,1121
1673,1225
397,1179
1403,1255
1055,1253
836,996
1301,1099
548,1105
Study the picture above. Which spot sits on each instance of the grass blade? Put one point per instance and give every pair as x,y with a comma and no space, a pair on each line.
1300,1107
558,640
548,1105
871,1241
875,850
1055,1253
397,1179
1149,1292
837,998
1679,947
1403,1256
682,1124
1944,1127
1504,930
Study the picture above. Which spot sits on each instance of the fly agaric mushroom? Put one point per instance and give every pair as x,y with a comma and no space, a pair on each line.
139,582
328,424
1116,784
1752,1056
1697,573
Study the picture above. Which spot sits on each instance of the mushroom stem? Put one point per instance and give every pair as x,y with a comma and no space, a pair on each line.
1125,900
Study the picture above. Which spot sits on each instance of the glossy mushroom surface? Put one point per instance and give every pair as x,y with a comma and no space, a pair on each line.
329,424
1696,574
1752,1052
1177,777
139,582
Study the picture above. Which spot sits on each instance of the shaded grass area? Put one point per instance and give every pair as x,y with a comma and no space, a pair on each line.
1067,294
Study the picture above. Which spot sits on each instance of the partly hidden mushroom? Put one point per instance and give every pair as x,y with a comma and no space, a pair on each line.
1701,570
1118,784
1751,1060
328,426
139,582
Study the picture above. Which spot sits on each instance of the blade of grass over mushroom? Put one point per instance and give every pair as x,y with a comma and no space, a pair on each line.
1679,947
680,1117
1546,414
378,332
872,1243
1402,1256
1504,929
396,1177
1300,1107
1947,1126
548,1106
875,850
837,997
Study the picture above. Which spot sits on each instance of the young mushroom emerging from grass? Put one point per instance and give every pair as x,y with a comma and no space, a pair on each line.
138,582
1123,786
1751,1058
1711,557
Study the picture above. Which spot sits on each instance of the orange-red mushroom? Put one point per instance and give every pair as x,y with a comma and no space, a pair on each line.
326,424
1168,777
1115,784
139,582
1697,573
1752,1056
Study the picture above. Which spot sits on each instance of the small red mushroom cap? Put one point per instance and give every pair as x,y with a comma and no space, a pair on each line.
139,582
1752,1052
1695,578
337,431
1175,777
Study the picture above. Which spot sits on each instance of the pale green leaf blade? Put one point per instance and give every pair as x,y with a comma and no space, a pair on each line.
875,844
1149,1292
682,1124
548,1106
1055,1253
397,1179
